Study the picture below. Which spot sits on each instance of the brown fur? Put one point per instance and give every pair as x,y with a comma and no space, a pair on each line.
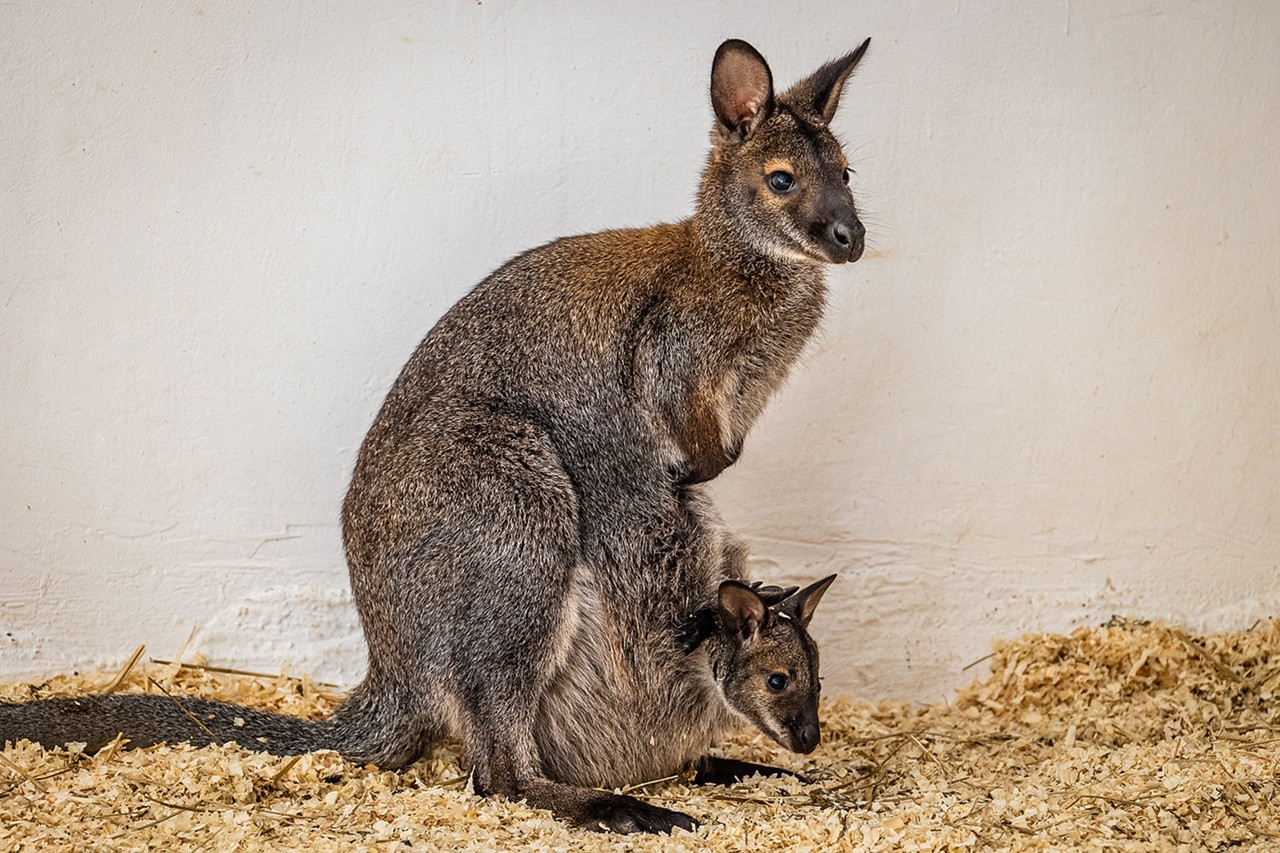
524,528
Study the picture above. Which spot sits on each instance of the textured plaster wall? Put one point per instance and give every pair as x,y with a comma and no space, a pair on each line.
1050,393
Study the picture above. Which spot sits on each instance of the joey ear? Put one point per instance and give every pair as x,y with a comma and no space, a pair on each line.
741,90
800,606
742,612
820,91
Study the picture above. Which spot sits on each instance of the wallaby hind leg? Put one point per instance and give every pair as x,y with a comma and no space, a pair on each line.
507,766
500,706
480,613
461,552
500,698
501,675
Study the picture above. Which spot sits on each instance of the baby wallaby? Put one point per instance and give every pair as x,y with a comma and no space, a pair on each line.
525,524
765,662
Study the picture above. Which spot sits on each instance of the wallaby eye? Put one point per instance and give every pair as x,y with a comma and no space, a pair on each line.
847,173
781,182
777,682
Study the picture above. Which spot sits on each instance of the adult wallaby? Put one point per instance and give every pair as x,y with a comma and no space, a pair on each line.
531,481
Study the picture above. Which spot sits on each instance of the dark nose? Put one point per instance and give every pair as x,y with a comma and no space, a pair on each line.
848,236
807,736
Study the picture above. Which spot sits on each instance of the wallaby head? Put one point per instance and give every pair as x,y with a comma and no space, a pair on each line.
766,664
776,170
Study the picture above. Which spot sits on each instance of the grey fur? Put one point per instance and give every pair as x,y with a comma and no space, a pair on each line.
524,527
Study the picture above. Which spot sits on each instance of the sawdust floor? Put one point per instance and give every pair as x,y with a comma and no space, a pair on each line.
1129,736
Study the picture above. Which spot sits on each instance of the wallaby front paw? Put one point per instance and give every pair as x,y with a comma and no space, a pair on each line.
701,470
617,813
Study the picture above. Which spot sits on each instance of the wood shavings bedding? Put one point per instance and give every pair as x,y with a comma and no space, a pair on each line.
1129,736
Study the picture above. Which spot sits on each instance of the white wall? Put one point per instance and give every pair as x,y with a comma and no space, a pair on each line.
1050,392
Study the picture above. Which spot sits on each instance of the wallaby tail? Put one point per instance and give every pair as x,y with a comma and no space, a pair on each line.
148,719
370,727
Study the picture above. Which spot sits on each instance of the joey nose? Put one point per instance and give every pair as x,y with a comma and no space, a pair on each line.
806,736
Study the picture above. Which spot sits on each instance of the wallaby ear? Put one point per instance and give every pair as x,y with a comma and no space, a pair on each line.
741,90
742,612
800,607
820,91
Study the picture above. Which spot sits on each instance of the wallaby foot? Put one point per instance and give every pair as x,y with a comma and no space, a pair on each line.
602,811
713,770
620,813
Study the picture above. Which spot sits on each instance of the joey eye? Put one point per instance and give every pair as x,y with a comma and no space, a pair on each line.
781,182
777,682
